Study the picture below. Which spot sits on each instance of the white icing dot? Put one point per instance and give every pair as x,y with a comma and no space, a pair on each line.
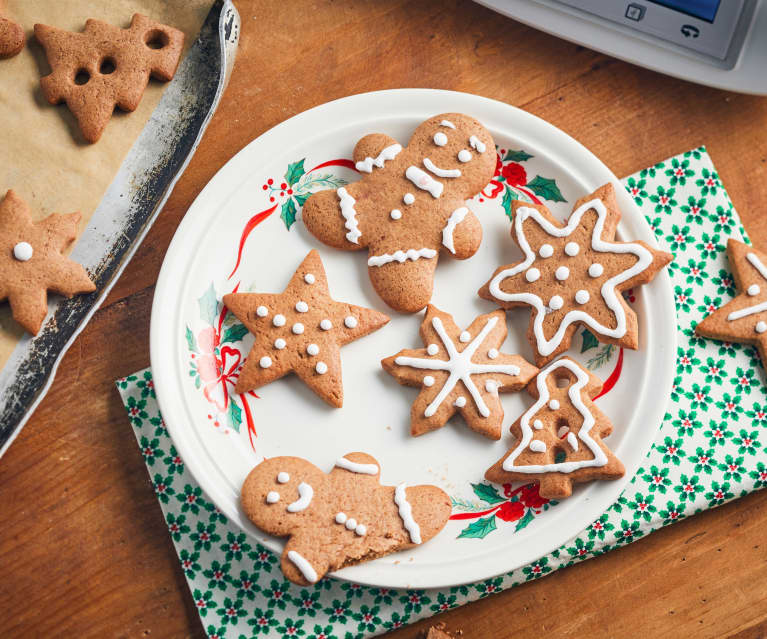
341,518
571,248
460,402
554,404
753,290
440,139
532,274
351,523
596,269
279,320
309,278
464,337
23,251
280,343
492,353
546,250
409,198
537,446
283,478
321,368
491,386
562,273
428,381
350,321
298,328
272,497
432,349
464,155
360,530
313,349
262,311
760,327
302,307
582,296
395,214
265,361
326,325
537,424
556,302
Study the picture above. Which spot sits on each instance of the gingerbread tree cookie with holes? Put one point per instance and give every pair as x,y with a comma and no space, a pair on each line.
743,319
32,263
338,519
574,274
300,330
105,66
460,371
409,205
559,439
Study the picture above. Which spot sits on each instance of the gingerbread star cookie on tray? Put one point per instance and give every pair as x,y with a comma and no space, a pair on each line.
460,371
409,206
559,439
301,331
32,263
573,274
743,319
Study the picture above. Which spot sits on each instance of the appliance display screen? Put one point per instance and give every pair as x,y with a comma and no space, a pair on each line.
703,9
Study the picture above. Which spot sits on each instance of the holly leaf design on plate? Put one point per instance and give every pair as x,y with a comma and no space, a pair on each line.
479,529
288,213
294,172
516,156
208,306
487,493
235,415
526,519
589,341
506,202
191,342
234,333
545,188
302,198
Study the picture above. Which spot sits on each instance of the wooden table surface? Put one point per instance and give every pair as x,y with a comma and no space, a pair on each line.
84,549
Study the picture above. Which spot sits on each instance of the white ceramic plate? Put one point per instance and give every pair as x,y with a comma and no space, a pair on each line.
193,353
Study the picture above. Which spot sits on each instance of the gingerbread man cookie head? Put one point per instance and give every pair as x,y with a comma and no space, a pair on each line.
409,205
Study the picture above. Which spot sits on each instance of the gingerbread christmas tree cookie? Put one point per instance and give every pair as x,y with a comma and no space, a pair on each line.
559,439
744,319
32,263
573,274
105,66
410,205
460,372
338,519
301,331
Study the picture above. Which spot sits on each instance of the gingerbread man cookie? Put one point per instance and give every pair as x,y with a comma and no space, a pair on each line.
12,38
32,263
409,205
460,371
338,519
105,66
559,439
743,319
573,274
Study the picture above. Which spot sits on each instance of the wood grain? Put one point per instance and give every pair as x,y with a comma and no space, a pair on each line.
84,549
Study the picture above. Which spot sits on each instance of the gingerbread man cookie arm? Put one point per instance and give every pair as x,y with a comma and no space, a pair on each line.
462,233
302,561
374,151
365,467
424,511
334,217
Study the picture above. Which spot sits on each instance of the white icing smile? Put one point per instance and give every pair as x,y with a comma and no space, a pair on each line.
305,494
445,173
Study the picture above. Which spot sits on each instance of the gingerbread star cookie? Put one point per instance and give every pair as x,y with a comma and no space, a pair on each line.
301,331
410,205
338,519
573,274
743,319
12,38
460,371
32,263
559,439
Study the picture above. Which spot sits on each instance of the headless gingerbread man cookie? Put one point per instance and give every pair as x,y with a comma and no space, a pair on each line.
409,205
338,519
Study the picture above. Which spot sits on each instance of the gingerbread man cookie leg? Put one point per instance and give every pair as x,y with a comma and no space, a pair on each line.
12,38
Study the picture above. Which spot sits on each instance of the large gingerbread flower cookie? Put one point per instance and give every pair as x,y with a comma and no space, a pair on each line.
410,205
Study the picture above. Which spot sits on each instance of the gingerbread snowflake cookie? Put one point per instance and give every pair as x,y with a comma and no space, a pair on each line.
301,331
573,274
559,439
743,319
410,205
338,519
105,66
32,262
460,371
12,38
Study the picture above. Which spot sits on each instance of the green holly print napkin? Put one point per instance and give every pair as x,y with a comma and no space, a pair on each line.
711,449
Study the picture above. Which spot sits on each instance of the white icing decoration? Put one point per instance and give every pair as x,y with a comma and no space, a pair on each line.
554,404
280,343
532,274
572,249
756,308
447,123
265,361
464,155
23,251
562,431
321,368
351,523
350,321
424,181
537,446
283,477
432,349
313,349
760,327
304,566
388,153
278,320
596,269
460,402
582,296
408,198
360,530
439,172
309,278
298,328
262,311
302,307
464,337
428,381
395,214
599,459
456,217
753,290
537,424
440,139
555,303
341,518
305,494
491,386
350,215
562,273
272,497
354,467
645,258
459,365
477,144
492,353
572,440
401,256
406,514
546,250
326,325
